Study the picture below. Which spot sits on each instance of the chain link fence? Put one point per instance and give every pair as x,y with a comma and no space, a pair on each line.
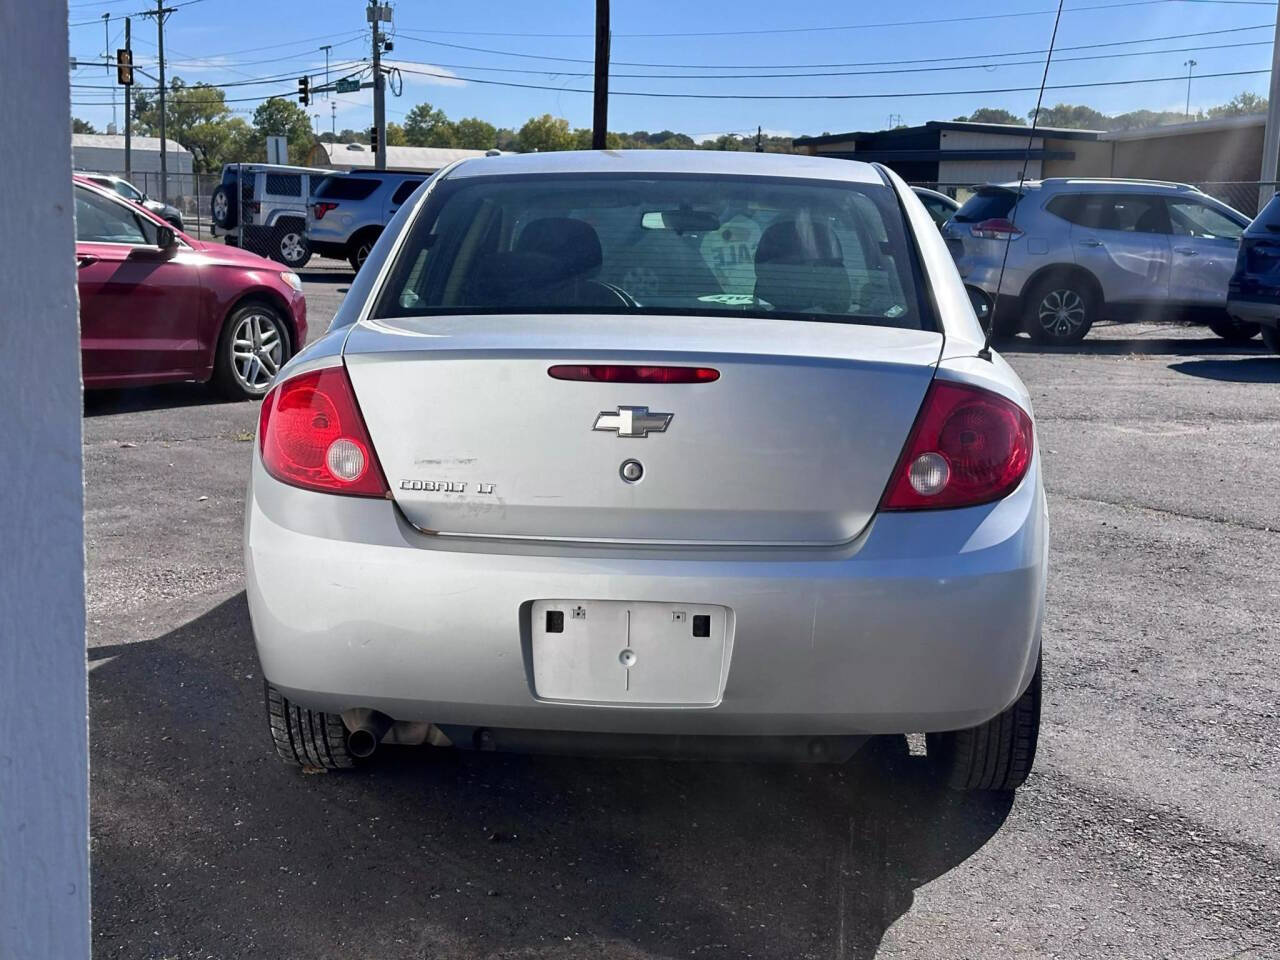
187,192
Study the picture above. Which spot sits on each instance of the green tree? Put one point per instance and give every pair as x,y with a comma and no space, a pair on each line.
427,126
546,133
992,115
81,126
1242,103
472,133
197,117
396,136
1071,115
278,117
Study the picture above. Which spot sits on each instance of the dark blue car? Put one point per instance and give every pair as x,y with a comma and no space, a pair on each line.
1253,296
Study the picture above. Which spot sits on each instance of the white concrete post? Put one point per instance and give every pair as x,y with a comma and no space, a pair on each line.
1271,136
44,762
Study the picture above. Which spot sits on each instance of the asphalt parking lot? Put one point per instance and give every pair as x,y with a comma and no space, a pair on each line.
1149,829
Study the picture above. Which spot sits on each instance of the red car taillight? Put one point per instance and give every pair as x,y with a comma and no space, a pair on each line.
968,446
312,436
995,229
322,208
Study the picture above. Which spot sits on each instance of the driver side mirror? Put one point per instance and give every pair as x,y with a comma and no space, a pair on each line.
166,239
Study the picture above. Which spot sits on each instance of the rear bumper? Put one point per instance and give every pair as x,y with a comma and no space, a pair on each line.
1261,310
929,621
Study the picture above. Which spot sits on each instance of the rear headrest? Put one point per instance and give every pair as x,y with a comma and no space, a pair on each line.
788,241
572,242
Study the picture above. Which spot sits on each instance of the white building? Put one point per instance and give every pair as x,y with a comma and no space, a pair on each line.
359,156
104,153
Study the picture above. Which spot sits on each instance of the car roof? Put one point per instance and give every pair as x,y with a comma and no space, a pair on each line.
1123,185
704,162
274,168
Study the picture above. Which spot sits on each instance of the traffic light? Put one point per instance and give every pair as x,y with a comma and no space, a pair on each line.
373,138
124,67
304,90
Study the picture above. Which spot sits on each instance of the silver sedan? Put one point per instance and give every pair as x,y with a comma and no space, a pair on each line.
654,451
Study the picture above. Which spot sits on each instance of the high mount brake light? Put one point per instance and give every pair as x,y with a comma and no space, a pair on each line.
968,446
619,373
997,228
312,436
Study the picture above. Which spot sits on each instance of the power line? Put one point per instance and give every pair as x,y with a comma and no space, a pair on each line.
831,96
863,63
861,26
140,13
843,73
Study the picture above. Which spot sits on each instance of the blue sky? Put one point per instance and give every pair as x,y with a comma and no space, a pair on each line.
235,40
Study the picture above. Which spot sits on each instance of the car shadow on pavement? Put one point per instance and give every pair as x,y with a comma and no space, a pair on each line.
1172,346
163,396
203,842
1243,370
344,276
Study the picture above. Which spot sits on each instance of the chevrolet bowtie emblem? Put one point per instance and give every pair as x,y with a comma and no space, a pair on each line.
632,421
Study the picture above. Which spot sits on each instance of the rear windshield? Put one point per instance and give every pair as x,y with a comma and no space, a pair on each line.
696,245
347,188
989,203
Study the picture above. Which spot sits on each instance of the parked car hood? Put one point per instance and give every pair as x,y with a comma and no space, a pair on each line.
234,256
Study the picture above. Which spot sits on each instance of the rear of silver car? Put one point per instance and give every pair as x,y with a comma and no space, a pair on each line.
660,520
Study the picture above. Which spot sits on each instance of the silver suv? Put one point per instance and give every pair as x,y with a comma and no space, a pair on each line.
1079,250
348,211
262,207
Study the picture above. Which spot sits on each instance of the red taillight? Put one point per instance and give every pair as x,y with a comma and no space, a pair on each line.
616,373
312,436
324,207
968,446
996,229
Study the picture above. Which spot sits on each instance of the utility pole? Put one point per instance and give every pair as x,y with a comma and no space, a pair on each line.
1190,65
161,12
128,107
375,14
333,117
759,139
326,48
600,113
1271,139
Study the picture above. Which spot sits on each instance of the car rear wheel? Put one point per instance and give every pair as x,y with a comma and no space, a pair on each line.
1271,337
306,738
292,248
997,755
1060,310
1232,330
254,345
223,207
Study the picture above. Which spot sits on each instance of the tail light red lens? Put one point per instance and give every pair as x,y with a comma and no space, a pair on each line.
995,229
312,436
968,446
615,373
322,208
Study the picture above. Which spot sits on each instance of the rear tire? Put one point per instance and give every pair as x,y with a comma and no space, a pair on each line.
1232,330
1271,337
997,755
1059,310
306,738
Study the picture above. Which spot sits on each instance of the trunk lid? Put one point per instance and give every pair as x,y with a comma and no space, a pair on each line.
793,444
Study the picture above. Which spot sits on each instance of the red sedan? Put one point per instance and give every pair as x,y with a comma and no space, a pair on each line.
157,305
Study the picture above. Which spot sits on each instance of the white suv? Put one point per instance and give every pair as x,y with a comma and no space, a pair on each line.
1078,250
262,207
